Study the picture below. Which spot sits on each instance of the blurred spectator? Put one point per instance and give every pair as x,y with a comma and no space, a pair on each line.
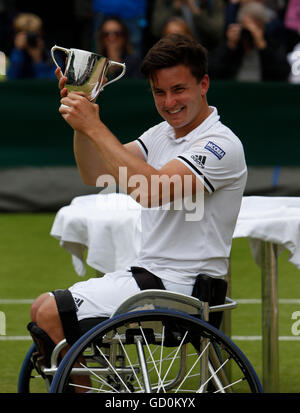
206,18
114,43
274,10
7,14
177,25
132,12
29,57
292,23
248,52
294,60
292,15
83,18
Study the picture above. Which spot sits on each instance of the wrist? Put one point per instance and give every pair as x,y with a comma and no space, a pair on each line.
231,45
261,44
95,132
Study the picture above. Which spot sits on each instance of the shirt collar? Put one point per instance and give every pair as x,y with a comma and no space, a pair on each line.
206,124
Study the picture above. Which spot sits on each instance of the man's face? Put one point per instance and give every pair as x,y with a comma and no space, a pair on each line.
179,99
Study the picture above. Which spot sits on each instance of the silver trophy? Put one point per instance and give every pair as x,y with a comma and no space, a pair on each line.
86,71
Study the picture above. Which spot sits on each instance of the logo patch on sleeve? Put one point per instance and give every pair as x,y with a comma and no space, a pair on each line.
215,149
199,159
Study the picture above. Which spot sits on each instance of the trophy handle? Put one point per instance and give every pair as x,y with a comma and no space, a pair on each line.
63,49
111,63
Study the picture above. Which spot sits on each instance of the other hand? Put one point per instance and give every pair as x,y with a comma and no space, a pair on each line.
81,114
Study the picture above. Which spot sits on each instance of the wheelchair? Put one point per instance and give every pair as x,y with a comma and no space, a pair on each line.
157,341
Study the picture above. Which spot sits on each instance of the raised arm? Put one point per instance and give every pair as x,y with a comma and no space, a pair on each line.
125,164
89,162
86,155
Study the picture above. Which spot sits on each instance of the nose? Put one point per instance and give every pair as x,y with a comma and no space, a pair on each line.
170,100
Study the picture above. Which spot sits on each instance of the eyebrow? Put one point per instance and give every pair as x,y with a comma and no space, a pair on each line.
179,85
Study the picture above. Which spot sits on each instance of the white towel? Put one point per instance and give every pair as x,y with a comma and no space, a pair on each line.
107,225
271,219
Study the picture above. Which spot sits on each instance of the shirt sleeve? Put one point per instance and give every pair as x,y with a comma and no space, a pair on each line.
215,162
146,141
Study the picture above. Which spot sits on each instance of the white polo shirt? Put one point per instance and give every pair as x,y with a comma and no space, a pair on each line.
177,249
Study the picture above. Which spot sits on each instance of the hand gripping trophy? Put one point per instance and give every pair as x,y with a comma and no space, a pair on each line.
86,71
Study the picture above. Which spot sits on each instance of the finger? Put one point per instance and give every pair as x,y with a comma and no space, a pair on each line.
66,101
64,92
62,82
79,94
58,73
64,109
72,98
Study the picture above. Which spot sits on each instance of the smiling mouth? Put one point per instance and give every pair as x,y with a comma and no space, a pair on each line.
175,111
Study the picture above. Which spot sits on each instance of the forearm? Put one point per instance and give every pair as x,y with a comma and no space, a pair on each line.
87,159
119,163
147,185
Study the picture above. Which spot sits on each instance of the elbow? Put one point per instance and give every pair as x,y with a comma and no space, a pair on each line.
88,179
148,199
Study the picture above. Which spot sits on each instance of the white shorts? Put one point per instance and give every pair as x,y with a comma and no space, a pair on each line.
100,297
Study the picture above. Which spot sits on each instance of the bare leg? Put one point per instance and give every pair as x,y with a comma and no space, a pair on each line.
36,305
47,318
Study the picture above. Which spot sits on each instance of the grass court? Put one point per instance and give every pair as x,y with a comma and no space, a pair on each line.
32,262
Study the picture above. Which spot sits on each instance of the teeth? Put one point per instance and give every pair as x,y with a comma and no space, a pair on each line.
174,111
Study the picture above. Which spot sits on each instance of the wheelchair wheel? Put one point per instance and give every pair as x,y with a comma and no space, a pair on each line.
30,381
155,351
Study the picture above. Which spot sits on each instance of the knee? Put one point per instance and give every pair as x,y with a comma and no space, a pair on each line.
48,319
36,305
47,312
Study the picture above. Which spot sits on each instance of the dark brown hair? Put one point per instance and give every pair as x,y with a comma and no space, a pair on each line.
173,50
125,33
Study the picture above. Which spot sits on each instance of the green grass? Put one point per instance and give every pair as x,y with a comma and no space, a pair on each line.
32,262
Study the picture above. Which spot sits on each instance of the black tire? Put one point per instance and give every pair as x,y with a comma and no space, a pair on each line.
26,371
30,380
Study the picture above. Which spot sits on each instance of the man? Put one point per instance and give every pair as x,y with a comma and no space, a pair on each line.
191,145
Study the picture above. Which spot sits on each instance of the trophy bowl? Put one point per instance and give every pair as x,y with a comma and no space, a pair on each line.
86,71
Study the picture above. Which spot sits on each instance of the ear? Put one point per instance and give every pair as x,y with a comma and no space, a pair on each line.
204,83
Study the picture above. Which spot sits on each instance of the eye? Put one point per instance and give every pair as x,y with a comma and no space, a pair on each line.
159,92
179,90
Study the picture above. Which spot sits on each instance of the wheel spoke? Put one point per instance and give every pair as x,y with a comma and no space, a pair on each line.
129,361
154,363
191,369
216,371
177,351
113,369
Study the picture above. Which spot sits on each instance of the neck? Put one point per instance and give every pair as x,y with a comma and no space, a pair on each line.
205,112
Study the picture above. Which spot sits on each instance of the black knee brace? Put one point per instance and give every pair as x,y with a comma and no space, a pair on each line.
44,345
67,312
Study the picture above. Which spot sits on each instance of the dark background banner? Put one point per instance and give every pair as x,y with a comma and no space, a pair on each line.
37,168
